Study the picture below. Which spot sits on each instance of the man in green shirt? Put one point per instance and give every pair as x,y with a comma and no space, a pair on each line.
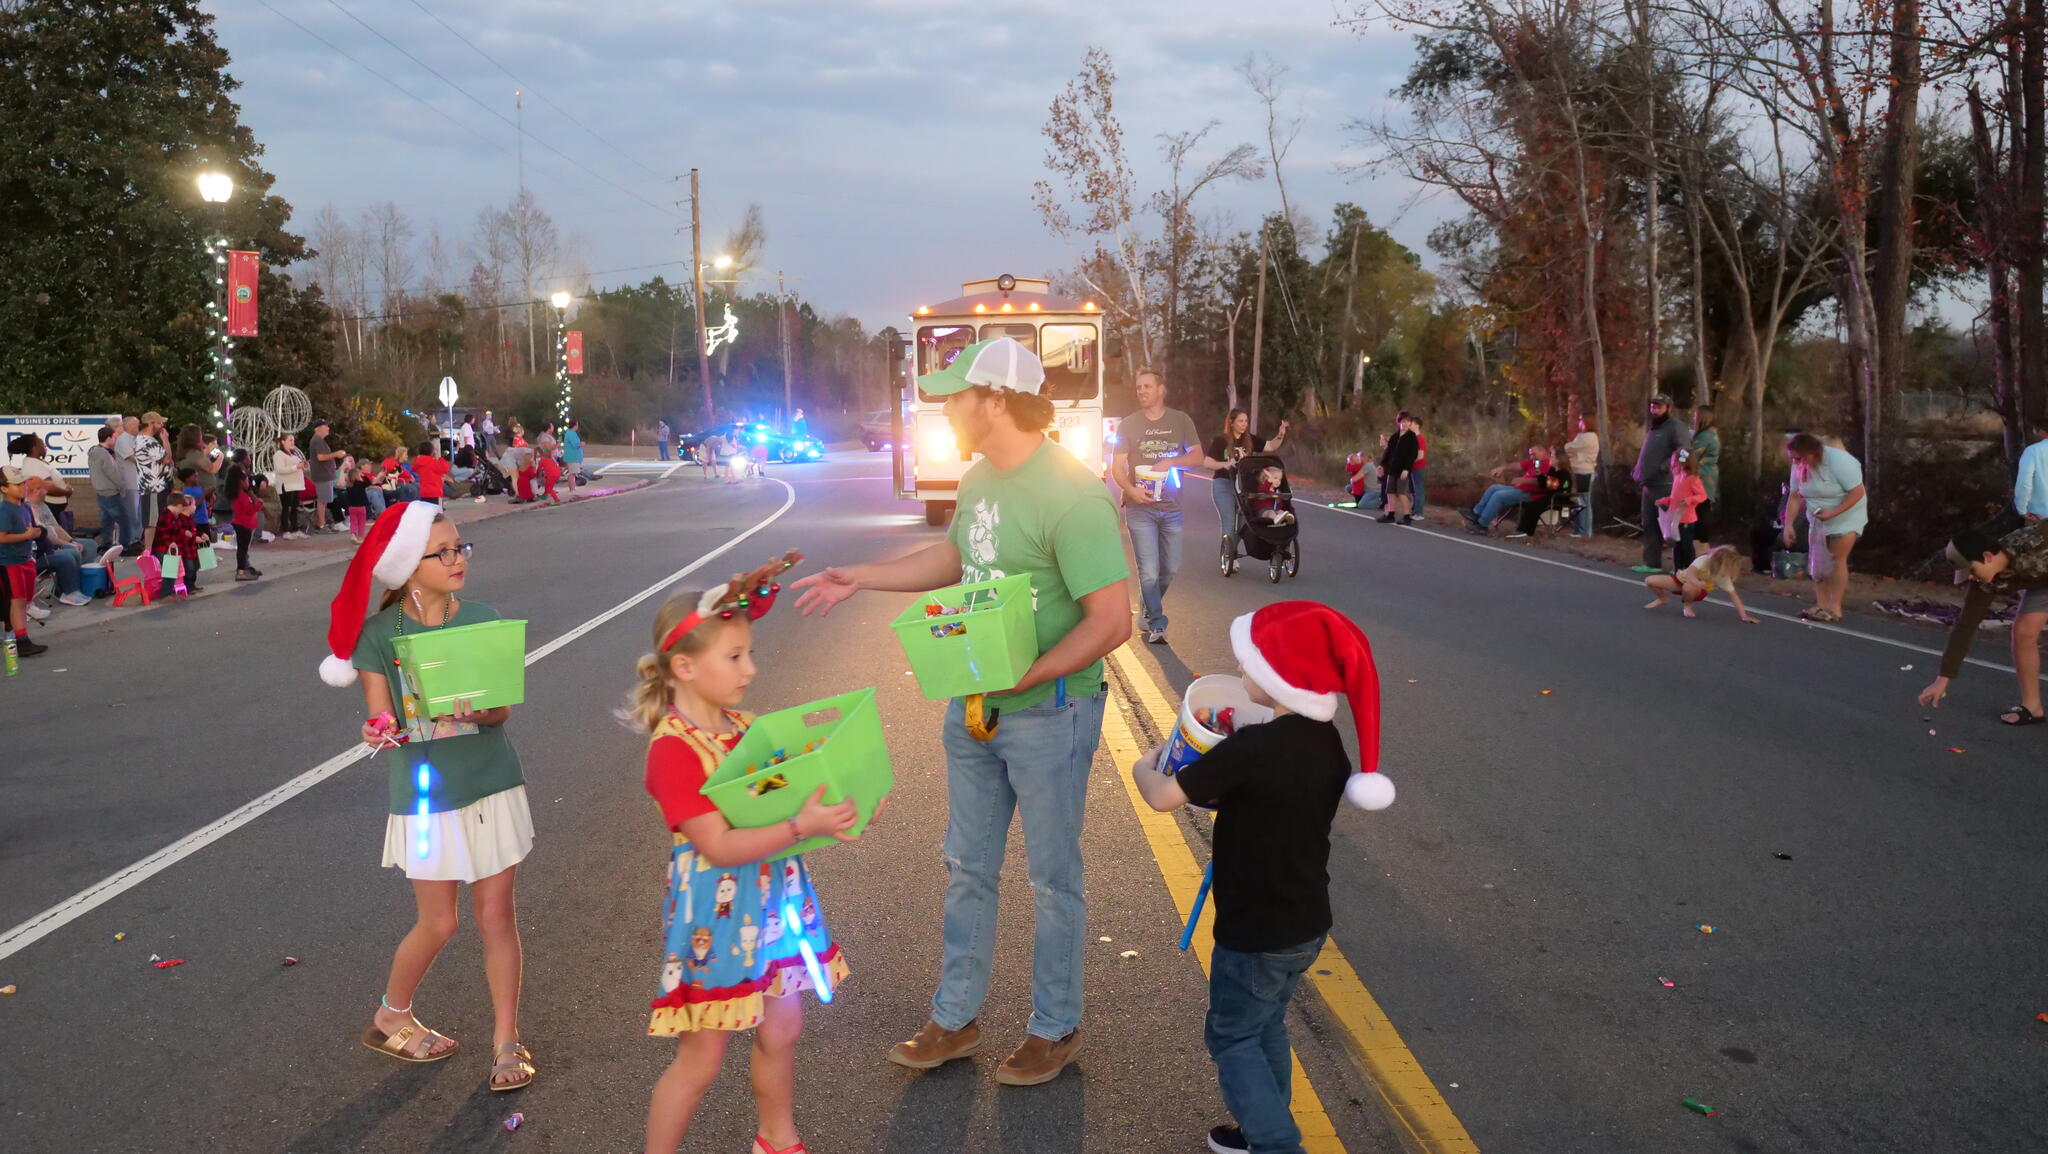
1028,506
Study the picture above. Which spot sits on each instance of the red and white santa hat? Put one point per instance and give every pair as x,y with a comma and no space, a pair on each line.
394,547
1304,654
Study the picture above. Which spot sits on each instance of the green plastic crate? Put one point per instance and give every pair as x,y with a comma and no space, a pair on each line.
485,663
851,760
985,649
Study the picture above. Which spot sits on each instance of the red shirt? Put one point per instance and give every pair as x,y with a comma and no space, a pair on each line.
248,511
676,774
1421,451
433,475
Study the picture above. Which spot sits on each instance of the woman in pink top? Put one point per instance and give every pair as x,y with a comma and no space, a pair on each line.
1688,493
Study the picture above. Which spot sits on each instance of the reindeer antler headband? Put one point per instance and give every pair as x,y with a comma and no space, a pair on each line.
749,593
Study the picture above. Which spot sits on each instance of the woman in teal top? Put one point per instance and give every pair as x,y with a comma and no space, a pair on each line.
1827,485
457,809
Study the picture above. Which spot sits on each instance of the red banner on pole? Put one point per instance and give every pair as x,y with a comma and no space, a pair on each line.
243,270
575,353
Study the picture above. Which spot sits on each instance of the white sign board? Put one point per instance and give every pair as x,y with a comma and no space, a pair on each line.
67,438
448,392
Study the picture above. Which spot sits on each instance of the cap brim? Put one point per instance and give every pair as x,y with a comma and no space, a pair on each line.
947,381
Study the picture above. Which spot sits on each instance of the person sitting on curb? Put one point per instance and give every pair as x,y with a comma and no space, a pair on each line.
1995,567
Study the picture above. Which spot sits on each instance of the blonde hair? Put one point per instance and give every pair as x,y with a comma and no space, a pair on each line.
1723,564
648,702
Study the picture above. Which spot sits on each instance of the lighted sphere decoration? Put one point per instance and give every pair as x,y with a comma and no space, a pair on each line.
290,409
252,428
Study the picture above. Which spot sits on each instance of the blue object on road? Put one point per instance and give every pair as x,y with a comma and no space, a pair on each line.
1187,935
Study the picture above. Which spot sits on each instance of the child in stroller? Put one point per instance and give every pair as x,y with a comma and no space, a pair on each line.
1265,518
1268,505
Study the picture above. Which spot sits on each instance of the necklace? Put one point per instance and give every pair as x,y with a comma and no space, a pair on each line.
447,612
685,719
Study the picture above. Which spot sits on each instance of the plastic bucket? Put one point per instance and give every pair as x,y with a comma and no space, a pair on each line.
1191,739
1155,483
977,638
836,743
485,663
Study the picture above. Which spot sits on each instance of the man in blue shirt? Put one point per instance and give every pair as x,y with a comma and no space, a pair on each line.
2030,488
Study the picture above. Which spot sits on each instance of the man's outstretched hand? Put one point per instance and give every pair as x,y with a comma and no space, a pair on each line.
823,591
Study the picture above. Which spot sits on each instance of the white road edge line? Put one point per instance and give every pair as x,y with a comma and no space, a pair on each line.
1635,580
104,891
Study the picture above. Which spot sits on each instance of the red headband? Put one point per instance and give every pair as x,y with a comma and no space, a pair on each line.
752,592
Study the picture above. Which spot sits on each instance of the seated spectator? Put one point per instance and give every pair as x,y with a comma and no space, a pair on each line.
1498,499
177,530
56,552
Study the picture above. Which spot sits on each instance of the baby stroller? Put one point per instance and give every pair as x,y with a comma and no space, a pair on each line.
490,480
1278,545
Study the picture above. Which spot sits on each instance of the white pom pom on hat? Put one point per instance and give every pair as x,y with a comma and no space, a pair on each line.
389,554
1305,654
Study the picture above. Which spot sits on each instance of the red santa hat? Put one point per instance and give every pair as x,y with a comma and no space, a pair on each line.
1303,654
388,555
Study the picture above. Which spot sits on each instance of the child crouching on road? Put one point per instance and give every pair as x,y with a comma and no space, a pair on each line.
1275,788
732,961
1717,568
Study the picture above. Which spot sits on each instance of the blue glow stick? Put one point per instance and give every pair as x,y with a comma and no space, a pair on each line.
1194,915
803,943
423,779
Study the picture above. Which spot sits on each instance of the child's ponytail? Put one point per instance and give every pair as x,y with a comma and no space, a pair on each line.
648,701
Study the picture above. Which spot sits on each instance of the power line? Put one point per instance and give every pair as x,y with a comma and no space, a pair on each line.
541,275
335,4
543,99
338,51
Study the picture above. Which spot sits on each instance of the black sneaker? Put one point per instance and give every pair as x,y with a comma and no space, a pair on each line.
1407,520
23,647
1469,516
1387,520
1228,1140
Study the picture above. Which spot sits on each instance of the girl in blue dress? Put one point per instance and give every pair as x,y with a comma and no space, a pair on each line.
731,961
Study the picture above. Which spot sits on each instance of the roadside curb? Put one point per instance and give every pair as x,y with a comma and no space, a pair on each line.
100,612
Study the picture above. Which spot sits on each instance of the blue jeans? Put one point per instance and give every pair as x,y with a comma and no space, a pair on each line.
662,448
374,495
167,584
115,527
1155,541
1246,1032
131,503
1224,490
406,491
1037,764
1582,521
1415,488
1496,500
64,561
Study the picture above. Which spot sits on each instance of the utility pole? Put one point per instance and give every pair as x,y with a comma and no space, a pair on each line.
697,267
1258,327
519,110
782,333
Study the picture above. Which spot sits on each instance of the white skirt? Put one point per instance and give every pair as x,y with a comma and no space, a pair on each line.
482,839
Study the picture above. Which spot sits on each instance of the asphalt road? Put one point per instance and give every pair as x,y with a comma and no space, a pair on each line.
1549,861
159,728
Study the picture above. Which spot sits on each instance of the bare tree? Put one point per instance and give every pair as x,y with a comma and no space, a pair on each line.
1187,176
535,246
1264,75
1098,201
491,254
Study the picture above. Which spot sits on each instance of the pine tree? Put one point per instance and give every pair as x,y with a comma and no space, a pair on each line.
108,112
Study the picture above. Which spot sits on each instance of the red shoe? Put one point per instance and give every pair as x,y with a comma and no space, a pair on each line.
761,1146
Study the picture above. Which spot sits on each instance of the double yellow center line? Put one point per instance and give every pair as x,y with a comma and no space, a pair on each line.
1411,1100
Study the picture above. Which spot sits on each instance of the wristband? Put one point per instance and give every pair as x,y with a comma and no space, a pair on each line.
796,831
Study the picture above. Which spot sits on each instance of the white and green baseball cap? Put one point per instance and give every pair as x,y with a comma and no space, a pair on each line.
1001,363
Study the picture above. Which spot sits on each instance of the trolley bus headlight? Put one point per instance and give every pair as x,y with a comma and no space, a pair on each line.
937,444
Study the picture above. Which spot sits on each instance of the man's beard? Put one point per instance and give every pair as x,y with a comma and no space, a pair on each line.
970,430
1657,419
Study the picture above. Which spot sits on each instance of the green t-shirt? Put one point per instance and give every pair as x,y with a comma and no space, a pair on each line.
460,770
1053,519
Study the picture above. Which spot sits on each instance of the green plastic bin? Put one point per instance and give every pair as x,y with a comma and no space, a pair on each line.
485,663
987,647
851,760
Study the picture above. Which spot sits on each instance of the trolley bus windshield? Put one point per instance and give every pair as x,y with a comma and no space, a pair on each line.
1070,353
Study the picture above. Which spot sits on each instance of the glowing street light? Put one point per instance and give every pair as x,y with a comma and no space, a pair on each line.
560,300
215,187
722,262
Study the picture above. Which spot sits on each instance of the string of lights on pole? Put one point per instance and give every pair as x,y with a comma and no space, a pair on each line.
562,386
215,188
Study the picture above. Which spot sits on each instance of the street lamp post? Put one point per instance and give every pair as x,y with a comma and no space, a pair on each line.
215,187
561,302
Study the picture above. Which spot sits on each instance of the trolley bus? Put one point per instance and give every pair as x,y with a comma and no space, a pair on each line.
1066,334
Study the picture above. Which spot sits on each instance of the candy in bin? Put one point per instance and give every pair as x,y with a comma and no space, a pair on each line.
1223,721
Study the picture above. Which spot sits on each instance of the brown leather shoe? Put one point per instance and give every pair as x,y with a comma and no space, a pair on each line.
1038,1061
935,1046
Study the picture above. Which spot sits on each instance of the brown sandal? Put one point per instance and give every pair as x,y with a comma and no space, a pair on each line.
515,1059
403,1043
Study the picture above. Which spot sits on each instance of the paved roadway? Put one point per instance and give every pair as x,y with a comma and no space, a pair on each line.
1547,863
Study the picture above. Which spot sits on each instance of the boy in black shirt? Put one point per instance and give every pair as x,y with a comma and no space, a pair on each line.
1275,789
